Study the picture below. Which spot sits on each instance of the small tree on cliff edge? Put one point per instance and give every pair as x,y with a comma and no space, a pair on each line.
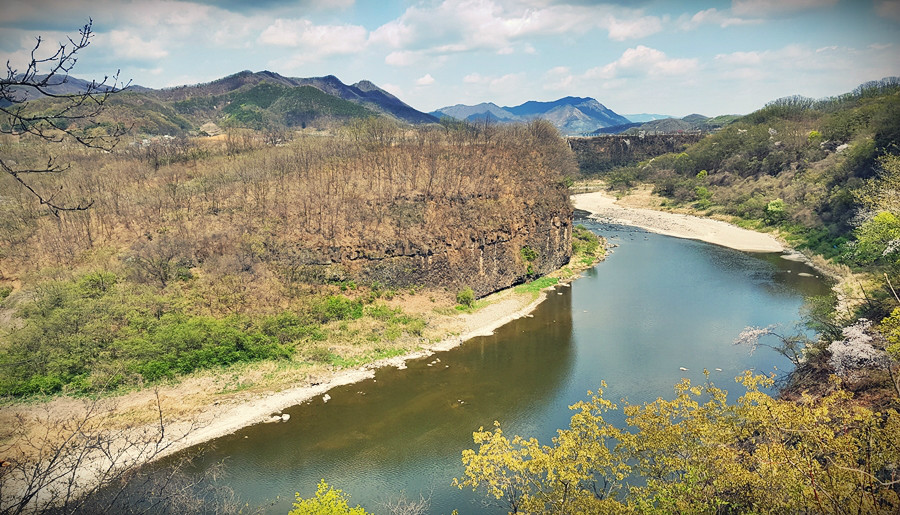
43,74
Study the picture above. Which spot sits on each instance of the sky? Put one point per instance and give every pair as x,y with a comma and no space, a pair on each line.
638,56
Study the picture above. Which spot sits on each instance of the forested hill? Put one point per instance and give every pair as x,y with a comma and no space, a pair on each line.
798,164
254,100
200,252
824,175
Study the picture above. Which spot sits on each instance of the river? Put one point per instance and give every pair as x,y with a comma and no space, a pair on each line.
657,305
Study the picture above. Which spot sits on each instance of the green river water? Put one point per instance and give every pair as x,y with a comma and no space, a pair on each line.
656,305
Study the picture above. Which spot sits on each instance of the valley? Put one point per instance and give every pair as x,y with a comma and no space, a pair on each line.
284,266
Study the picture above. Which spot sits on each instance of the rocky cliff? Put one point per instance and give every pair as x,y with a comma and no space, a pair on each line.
486,261
446,248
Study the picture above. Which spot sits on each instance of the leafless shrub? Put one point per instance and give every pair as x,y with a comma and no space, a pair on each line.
86,464
161,258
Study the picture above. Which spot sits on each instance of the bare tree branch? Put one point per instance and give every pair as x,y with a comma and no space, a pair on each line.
59,123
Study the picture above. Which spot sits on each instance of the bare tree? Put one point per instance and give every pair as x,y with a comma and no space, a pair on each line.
83,465
42,78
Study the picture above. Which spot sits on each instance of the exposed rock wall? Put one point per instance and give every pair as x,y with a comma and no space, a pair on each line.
486,262
444,251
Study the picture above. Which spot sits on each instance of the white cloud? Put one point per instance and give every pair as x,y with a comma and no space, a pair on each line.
322,39
425,80
127,45
559,78
797,69
402,58
740,58
776,7
636,28
453,26
888,9
713,16
644,61
480,85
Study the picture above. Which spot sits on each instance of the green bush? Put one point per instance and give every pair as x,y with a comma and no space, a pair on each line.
528,253
465,297
337,307
584,241
775,212
87,334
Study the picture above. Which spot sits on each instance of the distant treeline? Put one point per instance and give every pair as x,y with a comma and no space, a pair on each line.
600,154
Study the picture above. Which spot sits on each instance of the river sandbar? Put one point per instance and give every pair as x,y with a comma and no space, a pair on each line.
605,207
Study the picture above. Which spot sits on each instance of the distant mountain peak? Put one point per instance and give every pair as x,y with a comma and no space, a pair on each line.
571,115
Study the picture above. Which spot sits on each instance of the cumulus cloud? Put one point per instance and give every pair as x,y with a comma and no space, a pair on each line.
425,80
620,30
323,39
776,7
637,69
645,61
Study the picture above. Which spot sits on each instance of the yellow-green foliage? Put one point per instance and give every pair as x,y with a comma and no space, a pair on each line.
328,501
586,247
700,454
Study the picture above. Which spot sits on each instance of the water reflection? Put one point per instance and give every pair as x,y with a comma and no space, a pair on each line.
407,427
657,310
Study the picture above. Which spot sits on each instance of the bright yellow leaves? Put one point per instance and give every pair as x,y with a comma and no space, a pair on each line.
697,453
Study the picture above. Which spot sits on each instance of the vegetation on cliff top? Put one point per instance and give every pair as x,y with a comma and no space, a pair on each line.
201,253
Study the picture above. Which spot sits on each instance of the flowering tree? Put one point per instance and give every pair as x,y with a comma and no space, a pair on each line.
862,348
793,347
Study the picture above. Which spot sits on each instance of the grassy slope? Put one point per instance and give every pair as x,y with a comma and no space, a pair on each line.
816,173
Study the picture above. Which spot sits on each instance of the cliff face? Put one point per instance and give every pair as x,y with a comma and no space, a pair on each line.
485,261
454,208
448,249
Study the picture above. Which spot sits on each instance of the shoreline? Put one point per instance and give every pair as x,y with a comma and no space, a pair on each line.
605,207
260,408
222,421
226,418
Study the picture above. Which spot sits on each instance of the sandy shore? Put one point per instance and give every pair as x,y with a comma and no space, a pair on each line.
604,207
229,416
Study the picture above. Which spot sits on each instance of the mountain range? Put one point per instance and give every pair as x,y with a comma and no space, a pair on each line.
245,98
571,115
363,93
266,99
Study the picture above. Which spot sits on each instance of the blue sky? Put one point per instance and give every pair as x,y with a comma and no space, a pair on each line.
670,57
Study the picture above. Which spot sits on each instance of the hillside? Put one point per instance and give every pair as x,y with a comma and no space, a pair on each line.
571,115
669,125
824,175
363,93
246,100
204,252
